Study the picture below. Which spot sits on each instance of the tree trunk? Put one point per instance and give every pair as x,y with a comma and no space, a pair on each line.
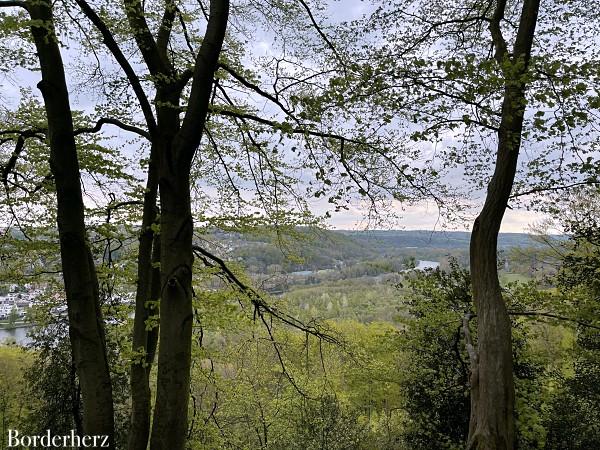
174,361
492,388
148,290
86,329
177,145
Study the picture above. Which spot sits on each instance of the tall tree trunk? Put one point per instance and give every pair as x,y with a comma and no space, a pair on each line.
174,360
177,146
148,274
146,304
492,388
86,329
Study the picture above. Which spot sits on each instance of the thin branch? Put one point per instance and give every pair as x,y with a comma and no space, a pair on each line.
123,61
115,122
42,272
592,181
279,357
254,87
224,164
186,34
113,206
554,316
322,34
281,126
257,300
351,174
284,128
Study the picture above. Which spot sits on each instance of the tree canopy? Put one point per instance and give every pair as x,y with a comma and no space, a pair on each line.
163,130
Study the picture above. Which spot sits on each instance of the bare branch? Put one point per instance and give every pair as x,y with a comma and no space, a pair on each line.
257,300
114,48
115,122
280,126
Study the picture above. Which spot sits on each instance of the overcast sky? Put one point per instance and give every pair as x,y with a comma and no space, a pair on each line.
423,216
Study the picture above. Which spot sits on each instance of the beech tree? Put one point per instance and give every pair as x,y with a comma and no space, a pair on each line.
81,285
492,389
464,77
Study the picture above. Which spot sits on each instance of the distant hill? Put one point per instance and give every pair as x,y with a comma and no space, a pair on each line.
325,249
399,239
262,251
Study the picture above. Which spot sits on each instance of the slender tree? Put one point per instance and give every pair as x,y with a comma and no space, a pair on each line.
86,329
492,389
436,66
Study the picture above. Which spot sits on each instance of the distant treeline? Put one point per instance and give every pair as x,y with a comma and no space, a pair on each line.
324,249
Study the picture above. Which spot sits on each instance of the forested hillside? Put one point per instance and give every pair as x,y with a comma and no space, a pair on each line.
314,249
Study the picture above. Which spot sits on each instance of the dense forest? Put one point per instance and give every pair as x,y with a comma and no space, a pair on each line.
209,236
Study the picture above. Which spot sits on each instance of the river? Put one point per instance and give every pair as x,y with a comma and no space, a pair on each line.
19,335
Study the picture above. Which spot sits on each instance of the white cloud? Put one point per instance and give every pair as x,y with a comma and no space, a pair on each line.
424,216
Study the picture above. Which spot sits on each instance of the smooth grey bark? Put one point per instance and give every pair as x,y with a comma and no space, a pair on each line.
169,427
86,329
144,339
491,424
